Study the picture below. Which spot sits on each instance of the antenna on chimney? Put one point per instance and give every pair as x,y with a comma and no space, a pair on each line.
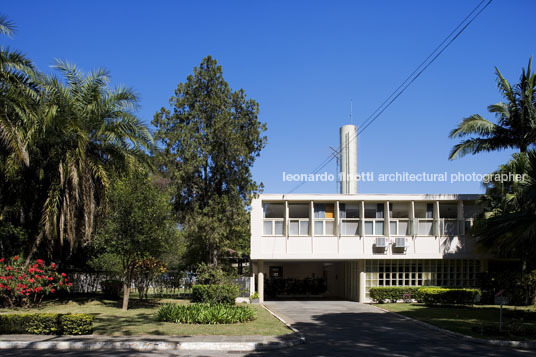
351,120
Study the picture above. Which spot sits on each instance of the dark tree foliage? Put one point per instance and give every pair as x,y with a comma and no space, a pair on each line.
210,137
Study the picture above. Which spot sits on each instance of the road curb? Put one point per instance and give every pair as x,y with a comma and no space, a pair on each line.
150,345
300,336
501,343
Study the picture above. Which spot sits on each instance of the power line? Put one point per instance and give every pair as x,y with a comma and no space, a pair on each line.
407,82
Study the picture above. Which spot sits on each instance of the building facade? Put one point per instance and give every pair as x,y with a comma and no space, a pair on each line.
341,245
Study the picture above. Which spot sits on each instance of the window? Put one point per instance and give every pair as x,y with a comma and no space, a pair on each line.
349,214
324,223
399,219
424,214
298,219
274,216
374,223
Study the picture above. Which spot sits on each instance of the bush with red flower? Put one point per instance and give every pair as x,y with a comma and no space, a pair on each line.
24,286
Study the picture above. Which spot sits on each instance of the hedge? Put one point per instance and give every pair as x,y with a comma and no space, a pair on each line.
215,294
426,294
205,313
444,296
395,293
46,324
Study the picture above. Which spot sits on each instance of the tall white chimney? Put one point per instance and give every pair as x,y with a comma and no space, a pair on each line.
348,173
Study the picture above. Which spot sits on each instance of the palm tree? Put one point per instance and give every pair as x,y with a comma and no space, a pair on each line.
508,226
93,134
19,99
516,124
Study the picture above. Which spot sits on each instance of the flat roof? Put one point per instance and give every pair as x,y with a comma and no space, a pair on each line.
369,196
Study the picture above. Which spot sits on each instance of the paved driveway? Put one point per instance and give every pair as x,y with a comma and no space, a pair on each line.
344,328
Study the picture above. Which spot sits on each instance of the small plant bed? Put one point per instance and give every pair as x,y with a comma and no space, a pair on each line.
480,321
205,313
140,319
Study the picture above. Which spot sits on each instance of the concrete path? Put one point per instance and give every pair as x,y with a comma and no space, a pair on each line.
344,328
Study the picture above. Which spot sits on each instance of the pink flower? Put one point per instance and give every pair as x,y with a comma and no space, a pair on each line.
16,257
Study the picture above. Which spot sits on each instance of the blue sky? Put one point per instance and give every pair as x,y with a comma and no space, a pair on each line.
303,61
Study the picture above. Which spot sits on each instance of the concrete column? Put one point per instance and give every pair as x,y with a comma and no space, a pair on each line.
461,222
260,283
437,220
387,220
362,219
362,280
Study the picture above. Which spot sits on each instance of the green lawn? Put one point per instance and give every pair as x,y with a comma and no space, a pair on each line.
519,321
139,319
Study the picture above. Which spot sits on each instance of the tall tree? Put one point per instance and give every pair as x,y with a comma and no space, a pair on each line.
210,138
93,133
139,223
516,124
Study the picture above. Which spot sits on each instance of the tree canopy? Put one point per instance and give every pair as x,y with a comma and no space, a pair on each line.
516,120
210,137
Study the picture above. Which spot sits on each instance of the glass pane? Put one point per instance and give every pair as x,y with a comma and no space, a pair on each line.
379,228
319,228
448,210
369,228
403,228
267,228
294,228
304,228
451,228
342,210
379,210
320,210
350,228
330,225
274,210
425,228
370,210
278,228
352,210
298,210
392,228
430,210
400,210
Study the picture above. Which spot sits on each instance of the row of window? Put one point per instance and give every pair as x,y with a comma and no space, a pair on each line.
371,210
324,223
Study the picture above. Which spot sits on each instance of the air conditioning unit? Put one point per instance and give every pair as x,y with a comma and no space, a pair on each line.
400,242
381,242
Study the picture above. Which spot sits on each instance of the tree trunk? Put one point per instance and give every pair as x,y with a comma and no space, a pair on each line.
34,249
126,293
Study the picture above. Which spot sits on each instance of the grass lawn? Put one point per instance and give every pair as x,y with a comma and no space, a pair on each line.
469,320
140,320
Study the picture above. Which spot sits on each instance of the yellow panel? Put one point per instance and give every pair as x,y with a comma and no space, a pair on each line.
329,211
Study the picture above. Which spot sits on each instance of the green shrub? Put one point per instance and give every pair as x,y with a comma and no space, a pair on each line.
215,294
46,324
394,293
77,324
205,313
112,289
446,296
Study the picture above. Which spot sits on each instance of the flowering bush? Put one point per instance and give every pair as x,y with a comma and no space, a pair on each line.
20,286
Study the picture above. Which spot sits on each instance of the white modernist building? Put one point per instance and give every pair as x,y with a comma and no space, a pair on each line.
340,245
